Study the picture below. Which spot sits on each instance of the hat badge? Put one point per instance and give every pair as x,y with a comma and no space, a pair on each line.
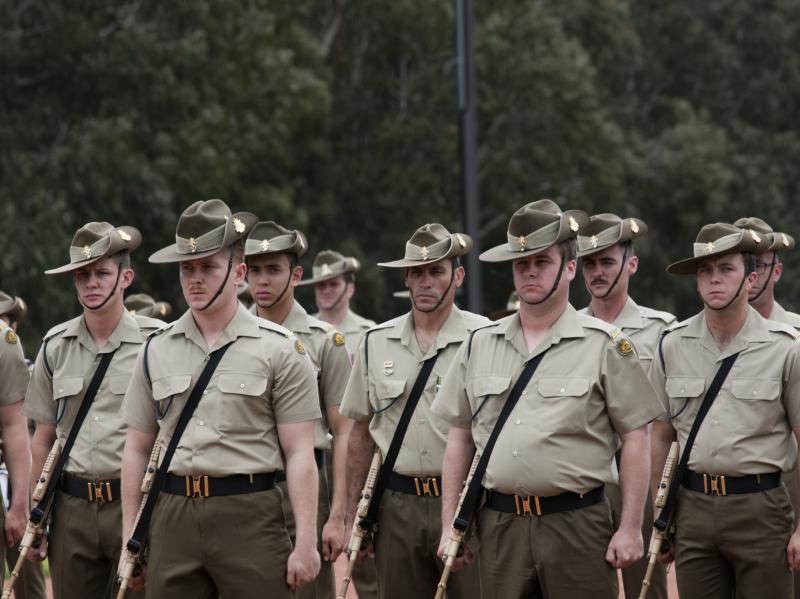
123,235
264,245
709,247
302,244
424,252
594,241
755,236
573,224
326,270
785,240
87,252
634,226
461,241
238,225
522,243
193,244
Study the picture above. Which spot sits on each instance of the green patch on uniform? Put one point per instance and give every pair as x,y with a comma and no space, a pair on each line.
299,347
11,336
338,339
624,347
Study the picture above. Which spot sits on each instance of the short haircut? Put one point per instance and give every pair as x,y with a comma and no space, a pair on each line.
569,249
628,248
749,262
123,259
238,251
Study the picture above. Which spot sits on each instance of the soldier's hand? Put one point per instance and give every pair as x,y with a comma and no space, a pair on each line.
793,552
461,560
667,554
333,539
625,548
16,522
38,552
139,576
303,566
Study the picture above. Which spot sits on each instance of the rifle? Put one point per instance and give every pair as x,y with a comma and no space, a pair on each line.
659,536
132,559
359,531
37,520
457,532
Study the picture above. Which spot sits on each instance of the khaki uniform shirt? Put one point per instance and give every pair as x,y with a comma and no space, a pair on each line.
14,374
643,326
328,354
353,328
63,370
263,380
377,391
748,428
779,314
562,434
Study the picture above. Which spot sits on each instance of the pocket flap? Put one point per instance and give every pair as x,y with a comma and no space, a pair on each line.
119,383
389,389
742,388
242,383
685,386
555,387
67,386
171,385
490,385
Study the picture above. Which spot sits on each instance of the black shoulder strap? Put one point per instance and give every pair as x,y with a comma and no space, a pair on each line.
662,522
136,542
38,512
397,441
473,492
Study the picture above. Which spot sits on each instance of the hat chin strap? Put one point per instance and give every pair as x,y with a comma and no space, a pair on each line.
222,286
616,279
444,295
341,295
553,288
764,286
285,289
110,295
735,295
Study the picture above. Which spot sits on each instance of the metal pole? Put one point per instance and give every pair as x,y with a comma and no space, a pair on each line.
468,138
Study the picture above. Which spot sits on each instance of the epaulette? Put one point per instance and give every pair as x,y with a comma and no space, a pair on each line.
475,330
384,325
59,328
590,322
779,327
148,338
268,325
667,330
163,328
147,324
474,321
656,314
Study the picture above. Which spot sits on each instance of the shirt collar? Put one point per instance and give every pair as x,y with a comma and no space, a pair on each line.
297,319
452,331
566,326
754,330
243,324
126,331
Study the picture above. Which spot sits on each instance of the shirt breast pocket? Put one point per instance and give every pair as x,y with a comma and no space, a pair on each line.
488,394
164,391
66,387
681,390
563,404
387,392
242,404
756,410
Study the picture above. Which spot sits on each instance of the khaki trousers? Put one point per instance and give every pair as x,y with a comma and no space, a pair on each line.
406,542
324,586
365,578
557,556
790,480
30,584
733,546
633,575
84,547
235,546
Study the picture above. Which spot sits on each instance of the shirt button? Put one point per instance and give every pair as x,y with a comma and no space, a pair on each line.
421,421
424,451
241,386
713,452
61,391
519,421
96,418
202,423
755,392
563,390
683,390
515,453
205,392
197,452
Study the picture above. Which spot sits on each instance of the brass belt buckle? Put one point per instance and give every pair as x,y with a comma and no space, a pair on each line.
426,485
99,492
197,486
523,505
714,485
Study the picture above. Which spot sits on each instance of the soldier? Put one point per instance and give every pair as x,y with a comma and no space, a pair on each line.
733,523
144,305
334,281
85,540
272,254
218,526
387,363
12,310
608,261
545,529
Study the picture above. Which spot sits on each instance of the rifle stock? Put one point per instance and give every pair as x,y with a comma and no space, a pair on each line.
131,558
457,532
659,536
34,529
358,533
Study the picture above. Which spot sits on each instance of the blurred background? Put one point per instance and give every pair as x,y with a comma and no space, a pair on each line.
339,118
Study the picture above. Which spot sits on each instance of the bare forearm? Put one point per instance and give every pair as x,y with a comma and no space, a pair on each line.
662,436
339,483
457,459
134,462
360,448
18,461
302,480
634,477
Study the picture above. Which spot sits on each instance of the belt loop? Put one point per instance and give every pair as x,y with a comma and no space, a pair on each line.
89,489
251,478
538,506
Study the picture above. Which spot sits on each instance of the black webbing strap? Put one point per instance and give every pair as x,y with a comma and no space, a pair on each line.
136,542
38,512
473,492
662,522
397,442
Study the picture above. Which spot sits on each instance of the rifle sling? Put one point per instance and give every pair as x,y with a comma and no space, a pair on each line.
38,512
662,522
475,488
136,542
397,442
